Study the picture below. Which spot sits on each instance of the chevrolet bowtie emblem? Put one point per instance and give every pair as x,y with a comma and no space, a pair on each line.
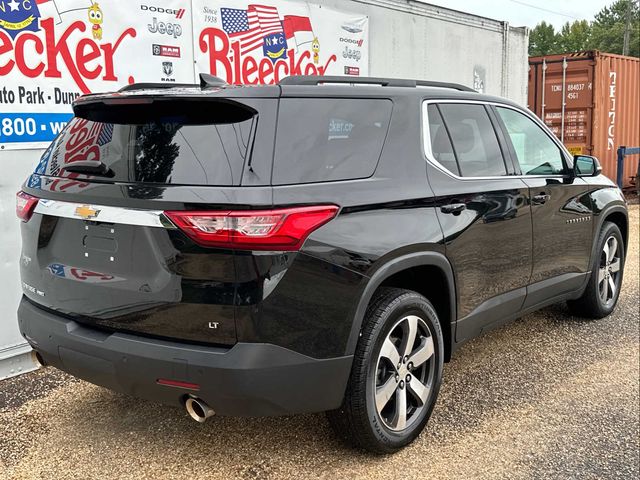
86,212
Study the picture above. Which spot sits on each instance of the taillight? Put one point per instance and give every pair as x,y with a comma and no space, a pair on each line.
25,205
279,229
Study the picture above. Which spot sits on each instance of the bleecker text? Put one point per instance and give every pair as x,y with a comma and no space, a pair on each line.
80,142
87,61
226,60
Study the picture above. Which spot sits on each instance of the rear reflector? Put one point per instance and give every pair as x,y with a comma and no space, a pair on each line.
279,229
177,383
25,204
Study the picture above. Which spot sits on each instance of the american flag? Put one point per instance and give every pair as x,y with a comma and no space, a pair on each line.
105,134
249,27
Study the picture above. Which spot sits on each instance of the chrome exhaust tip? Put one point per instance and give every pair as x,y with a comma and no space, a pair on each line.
37,359
198,410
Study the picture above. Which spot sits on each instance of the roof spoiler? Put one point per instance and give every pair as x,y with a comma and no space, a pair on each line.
154,86
206,81
385,82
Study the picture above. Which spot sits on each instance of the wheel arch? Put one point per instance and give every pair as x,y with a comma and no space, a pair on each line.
620,218
616,214
401,272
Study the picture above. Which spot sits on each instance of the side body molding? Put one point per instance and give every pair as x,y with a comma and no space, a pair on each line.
404,262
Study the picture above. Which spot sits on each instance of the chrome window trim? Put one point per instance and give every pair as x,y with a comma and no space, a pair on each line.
428,153
106,214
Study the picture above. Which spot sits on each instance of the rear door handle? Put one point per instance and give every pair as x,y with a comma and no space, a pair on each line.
454,208
540,199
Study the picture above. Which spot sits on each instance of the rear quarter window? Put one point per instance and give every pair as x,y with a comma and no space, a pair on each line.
474,140
326,139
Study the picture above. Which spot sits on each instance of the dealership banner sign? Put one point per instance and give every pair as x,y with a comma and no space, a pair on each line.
248,42
52,51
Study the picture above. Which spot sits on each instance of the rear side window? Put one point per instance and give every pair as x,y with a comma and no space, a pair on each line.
474,140
175,143
325,139
440,142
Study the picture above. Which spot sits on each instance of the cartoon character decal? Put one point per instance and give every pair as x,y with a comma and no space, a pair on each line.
95,18
315,48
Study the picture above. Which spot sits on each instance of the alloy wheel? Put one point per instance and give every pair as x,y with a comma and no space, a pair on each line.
609,271
405,372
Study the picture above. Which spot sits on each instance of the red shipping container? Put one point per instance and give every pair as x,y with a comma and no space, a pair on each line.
601,104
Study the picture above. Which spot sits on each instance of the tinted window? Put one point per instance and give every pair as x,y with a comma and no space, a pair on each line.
440,142
474,140
329,139
170,147
537,153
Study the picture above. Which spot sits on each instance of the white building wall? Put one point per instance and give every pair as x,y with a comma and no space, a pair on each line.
415,40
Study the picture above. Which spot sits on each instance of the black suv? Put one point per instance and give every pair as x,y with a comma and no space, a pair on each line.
324,244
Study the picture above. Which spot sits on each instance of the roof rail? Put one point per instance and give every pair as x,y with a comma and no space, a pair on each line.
385,82
154,86
318,79
207,80
453,86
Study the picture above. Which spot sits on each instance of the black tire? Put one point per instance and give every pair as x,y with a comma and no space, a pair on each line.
357,420
591,304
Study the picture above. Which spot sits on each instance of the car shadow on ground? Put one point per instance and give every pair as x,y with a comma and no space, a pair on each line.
501,369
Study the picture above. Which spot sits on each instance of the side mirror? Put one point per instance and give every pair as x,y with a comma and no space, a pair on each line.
586,166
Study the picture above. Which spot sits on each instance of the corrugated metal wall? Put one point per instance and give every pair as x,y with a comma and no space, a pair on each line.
602,104
616,119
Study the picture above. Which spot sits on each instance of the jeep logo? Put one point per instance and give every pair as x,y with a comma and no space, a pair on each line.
172,29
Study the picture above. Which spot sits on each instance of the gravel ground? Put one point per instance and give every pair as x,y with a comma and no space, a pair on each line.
548,396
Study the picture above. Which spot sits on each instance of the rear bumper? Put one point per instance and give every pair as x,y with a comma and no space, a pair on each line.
248,379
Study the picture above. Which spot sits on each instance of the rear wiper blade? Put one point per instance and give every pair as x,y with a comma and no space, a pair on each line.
89,168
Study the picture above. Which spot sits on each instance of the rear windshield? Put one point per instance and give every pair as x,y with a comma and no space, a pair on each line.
325,139
189,143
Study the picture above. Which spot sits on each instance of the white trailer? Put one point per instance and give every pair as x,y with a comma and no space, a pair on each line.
406,38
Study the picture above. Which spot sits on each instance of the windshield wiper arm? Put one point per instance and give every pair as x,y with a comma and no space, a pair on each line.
89,168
